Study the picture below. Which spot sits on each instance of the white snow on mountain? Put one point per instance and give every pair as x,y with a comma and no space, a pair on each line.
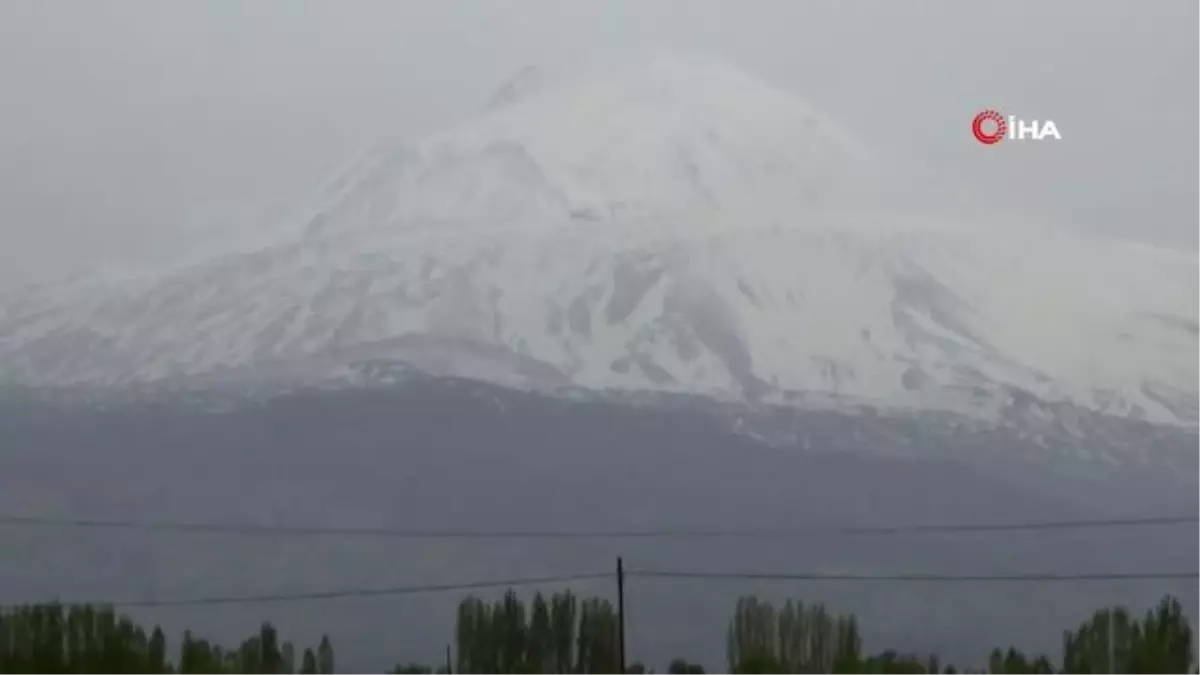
678,226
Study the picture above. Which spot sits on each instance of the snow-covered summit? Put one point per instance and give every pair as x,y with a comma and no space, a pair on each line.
674,137
677,226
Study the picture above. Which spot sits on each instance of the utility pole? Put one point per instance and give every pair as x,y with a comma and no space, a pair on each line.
449,668
621,613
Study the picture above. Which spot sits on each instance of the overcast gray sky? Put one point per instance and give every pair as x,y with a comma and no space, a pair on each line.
125,127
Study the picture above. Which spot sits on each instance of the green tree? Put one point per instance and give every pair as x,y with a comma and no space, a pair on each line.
325,663
411,669
1042,665
682,667
288,654
156,652
1015,663
892,662
563,615
308,663
849,645
1088,649
270,658
540,639
751,642
1162,642
596,644
473,637
508,618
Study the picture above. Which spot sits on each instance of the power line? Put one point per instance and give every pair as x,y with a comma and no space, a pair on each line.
646,573
835,576
342,593
261,529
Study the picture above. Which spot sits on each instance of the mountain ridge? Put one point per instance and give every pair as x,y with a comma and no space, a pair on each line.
680,227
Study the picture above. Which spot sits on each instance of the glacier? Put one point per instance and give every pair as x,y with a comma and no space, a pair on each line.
677,226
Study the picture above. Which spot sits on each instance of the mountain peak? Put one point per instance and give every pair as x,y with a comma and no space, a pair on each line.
677,225
674,137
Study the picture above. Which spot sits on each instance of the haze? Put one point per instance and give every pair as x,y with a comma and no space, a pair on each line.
133,130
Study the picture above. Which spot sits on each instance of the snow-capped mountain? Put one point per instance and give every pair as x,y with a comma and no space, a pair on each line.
679,226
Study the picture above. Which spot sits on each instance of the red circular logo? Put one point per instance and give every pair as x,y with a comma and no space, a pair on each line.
989,118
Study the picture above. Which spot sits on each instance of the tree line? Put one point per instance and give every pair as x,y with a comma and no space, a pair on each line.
565,634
